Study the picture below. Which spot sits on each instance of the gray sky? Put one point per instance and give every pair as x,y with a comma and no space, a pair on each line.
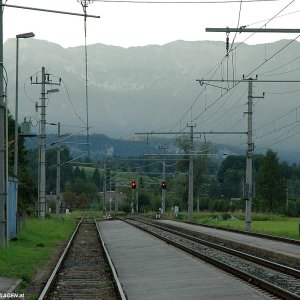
128,24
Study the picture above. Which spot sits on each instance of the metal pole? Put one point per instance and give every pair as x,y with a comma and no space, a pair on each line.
58,198
104,189
249,183
137,194
42,147
163,191
84,4
6,165
16,148
116,193
132,200
16,112
191,176
110,193
3,237
287,196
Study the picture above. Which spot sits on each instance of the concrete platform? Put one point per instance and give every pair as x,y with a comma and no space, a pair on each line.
283,248
8,285
151,269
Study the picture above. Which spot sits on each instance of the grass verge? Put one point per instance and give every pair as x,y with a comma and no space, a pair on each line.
35,245
262,223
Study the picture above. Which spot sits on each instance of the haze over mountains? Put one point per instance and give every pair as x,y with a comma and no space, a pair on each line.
141,89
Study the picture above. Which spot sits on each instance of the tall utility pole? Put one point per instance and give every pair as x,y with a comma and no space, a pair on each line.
191,175
104,188
42,150
116,186
45,80
58,198
3,194
249,186
249,163
137,192
84,4
163,191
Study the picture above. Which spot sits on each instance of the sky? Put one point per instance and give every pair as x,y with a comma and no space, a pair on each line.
136,24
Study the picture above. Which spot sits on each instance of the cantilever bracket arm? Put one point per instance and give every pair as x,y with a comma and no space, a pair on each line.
244,29
50,10
220,87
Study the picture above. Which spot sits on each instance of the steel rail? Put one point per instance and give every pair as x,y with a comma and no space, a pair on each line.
58,265
276,290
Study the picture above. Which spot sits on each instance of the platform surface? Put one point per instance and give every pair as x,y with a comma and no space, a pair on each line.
8,285
148,268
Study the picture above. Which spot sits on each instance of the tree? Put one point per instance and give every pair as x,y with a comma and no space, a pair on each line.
26,189
96,178
270,182
231,162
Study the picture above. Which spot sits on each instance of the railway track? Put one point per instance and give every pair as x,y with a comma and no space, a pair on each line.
83,271
279,280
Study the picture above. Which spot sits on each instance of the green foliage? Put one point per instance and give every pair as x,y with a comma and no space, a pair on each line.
144,202
66,170
96,178
80,194
36,244
262,223
293,209
270,184
231,162
203,167
26,188
79,185
181,191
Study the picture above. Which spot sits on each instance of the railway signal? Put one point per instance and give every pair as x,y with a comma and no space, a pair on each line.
163,185
133,185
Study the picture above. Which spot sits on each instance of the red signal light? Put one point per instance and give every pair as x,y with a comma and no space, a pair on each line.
163,185
133,184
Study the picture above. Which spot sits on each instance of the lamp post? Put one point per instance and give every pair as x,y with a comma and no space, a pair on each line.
16,154
18,36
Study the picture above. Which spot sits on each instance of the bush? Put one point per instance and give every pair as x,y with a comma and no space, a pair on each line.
226,216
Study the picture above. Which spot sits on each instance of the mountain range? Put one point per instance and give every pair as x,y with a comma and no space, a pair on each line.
154,88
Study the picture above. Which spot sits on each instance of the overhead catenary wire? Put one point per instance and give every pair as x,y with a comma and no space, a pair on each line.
277,129
71,103
279,138
181,2
218,66
280,67
284,73
278,16
282,93
278,118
